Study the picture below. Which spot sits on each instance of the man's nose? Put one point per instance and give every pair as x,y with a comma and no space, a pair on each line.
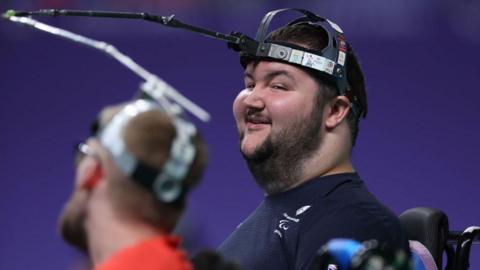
255,98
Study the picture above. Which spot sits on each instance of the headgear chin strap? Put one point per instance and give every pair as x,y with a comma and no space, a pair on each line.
165,183
330,61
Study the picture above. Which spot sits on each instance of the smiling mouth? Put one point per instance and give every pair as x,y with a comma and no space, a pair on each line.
256,121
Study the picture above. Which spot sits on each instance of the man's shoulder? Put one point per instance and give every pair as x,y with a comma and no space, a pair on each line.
349,212
350,207
161,252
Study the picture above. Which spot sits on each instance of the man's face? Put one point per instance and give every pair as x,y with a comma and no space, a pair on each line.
72,218
279,122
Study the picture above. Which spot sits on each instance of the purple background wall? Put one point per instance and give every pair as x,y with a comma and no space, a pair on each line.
418,146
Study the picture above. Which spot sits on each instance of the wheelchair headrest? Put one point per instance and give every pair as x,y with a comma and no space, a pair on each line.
428,226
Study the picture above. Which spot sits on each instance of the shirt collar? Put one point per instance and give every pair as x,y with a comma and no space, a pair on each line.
322,185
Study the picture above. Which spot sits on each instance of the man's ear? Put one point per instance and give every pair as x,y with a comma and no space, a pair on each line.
337,111
91,175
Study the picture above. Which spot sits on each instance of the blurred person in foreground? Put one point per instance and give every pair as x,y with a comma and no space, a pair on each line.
298,120
131,184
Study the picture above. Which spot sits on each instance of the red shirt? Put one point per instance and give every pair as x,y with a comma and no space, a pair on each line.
158,253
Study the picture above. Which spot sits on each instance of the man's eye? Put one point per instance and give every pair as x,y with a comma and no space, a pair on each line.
250,85
278,86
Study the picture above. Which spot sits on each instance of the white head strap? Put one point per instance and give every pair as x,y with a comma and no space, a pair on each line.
166,183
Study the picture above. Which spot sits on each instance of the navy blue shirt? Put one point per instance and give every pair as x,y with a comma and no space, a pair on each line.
287,229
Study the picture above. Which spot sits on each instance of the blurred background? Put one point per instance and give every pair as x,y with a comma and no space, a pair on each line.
418,146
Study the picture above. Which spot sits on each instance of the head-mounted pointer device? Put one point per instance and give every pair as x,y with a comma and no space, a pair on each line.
331,61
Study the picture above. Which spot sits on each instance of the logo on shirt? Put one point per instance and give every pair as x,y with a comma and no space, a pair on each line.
287,220
332,267
301,210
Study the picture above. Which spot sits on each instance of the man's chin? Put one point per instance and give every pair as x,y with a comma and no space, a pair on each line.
74,235
71,223
247,152
247,147
250,150
258,152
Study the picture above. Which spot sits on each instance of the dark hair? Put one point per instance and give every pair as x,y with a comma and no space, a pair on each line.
315,38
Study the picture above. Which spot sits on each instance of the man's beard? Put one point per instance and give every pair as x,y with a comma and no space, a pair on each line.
277,163
72,221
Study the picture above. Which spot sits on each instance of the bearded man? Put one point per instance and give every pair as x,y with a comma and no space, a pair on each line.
298,120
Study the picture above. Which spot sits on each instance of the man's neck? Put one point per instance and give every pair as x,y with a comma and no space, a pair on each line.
344,167
108,233
331,158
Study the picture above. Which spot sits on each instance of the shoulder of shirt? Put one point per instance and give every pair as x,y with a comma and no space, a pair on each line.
148,254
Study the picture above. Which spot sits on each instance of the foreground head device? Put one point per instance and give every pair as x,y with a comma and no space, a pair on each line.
166,183
331,61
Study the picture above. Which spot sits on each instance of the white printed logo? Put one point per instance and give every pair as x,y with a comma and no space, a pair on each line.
284,224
